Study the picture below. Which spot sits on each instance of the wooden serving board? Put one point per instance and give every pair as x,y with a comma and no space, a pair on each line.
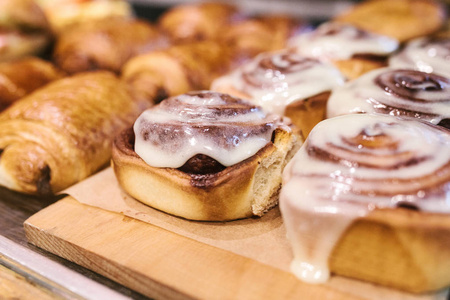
159,263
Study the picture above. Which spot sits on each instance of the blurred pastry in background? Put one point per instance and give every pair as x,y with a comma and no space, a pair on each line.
197,21
63,132
24,29
284,83
427,54
105,44
399,19
247,38
352,50
20,77
178,69
65,13
395,92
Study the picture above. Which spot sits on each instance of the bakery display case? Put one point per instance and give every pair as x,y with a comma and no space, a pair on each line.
159,149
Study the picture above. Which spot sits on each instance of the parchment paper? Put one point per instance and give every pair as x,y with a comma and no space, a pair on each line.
262,239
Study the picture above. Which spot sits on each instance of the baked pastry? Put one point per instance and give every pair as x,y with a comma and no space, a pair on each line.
63,132
367,197
181,68
205,156
24,29
427,54
354,51
284,83
105,44
197,22
20,77
399,19
395,92
63,14
252,36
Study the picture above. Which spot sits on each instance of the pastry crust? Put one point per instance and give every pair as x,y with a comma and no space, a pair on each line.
249,188
400,19
63,133
21,77
356,66
399,248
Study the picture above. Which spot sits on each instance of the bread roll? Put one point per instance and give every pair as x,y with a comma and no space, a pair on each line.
367,197
24,29
395,92
63,132
105,44
205,156
20,77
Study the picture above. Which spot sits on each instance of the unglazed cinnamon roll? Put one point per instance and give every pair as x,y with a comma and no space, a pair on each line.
429,54
63,132
205,156
367,197
284,83
399,19
105,44
20,77
354,51
395,92
176,70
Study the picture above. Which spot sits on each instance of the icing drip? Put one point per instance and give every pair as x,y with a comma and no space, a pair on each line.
222,127
334,41
430,55
274,80
353,164
394,92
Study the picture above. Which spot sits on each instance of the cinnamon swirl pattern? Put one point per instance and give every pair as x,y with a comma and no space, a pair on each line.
275,80
219,126
395,92
429,54
351,165
335,41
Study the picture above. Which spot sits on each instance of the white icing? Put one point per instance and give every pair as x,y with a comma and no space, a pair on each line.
321,198
344,42
363,95
228,144
424,55
292,78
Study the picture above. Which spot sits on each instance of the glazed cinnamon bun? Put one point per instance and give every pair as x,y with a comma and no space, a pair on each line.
205,156
429,54
395,92
284,83
367,197
354,51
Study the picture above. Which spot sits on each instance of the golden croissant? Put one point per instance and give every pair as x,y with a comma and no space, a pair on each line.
63,132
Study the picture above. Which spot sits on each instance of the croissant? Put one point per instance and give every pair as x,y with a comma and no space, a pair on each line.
62,133
196,22
181,68
104,44
21,77
24,29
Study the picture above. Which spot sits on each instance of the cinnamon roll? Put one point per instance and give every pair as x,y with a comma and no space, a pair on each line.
429,54
205,156
284,83
62,133
366,196
354,51
399,19
395,92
